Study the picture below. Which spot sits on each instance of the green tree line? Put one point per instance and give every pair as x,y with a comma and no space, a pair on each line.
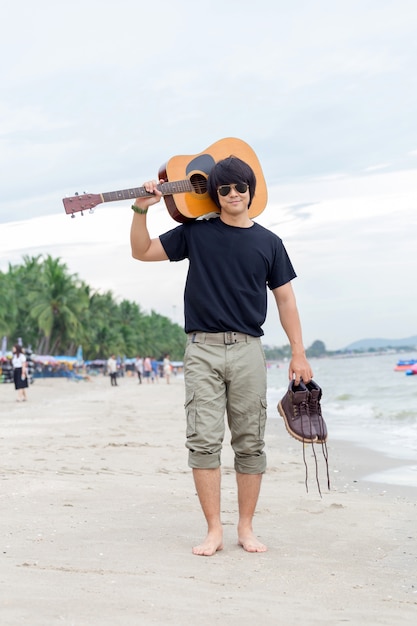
54,312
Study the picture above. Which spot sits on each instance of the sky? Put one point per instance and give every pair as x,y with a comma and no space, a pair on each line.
97,95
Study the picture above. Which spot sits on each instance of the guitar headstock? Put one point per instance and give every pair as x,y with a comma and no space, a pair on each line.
84,202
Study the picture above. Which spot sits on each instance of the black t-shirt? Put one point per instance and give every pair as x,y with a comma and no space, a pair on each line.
228,273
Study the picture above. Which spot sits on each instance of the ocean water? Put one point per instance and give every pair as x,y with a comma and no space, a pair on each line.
367,403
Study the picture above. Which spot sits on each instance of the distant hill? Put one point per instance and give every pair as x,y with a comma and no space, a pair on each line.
377,344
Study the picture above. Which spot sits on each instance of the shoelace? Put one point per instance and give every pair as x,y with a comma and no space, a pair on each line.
313,406
302,410
326,460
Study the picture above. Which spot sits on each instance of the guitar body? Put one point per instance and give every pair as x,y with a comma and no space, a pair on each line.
196,168
185,184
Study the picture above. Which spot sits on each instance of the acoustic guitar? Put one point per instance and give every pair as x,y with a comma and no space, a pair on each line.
185,184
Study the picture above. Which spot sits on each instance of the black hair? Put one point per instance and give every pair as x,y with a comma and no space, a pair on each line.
227,171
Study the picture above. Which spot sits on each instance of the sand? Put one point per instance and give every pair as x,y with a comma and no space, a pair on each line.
99,514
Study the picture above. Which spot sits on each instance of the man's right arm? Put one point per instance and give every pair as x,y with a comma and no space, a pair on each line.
143,247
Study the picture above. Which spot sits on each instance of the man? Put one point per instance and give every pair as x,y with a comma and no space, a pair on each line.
139,368
112,370
231,261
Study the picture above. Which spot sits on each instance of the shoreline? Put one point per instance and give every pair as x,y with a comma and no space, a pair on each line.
99,514
370,465
383,424
367,464
357,462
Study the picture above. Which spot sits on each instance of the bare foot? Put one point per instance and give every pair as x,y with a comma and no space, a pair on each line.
250,543
212,544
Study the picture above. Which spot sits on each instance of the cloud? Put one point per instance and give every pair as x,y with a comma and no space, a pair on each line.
97,100
352,250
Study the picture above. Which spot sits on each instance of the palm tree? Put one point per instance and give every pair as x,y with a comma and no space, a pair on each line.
57,303
102,323
55,312
131,326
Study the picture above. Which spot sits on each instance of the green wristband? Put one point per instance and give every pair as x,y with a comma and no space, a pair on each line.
136,209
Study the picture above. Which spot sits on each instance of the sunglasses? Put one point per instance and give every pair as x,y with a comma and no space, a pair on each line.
224,190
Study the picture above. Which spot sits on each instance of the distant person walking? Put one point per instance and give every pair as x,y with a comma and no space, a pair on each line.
112,370
20,373
147,369
139,368
155,370
167,367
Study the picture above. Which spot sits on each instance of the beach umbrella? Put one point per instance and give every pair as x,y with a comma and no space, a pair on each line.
79,355
66,359
44,359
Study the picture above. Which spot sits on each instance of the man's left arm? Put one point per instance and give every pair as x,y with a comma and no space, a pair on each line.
290,320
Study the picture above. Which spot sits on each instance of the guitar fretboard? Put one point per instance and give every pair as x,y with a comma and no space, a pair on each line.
179,186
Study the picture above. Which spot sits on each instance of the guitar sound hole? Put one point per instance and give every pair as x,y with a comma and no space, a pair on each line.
199,183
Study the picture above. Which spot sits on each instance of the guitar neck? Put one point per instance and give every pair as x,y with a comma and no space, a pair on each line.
167,189
88,201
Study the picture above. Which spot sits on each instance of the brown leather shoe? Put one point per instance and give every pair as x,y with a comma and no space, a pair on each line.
314,408
294,408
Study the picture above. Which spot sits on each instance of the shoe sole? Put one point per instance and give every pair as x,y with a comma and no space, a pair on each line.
290,431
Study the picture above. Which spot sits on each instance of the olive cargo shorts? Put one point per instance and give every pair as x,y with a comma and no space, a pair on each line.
231,379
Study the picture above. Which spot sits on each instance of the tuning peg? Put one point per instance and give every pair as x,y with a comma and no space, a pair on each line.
91,211
76,193
72,215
